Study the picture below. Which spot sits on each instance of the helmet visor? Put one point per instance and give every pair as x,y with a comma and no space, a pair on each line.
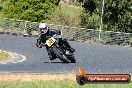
43,30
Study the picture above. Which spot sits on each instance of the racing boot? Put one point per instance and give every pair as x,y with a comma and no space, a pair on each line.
71,50
52,56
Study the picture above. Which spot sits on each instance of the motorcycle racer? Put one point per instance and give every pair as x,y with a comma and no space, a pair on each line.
44,33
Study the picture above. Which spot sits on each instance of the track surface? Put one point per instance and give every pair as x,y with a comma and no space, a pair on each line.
95,58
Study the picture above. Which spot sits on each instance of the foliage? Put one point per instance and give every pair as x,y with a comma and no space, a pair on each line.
88,21
90,5
66,15
1,1
32,10
0,7
116,17
89,17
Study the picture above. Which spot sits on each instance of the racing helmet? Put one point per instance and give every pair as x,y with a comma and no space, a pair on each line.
43,28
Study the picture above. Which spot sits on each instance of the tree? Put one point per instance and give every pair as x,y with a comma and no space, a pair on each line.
89,5
117,15
1,1
89,17
32,10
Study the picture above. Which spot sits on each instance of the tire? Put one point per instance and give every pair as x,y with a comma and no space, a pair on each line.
72,59
60,54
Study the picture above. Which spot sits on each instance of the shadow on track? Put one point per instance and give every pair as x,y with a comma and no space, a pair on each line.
59,62
52,62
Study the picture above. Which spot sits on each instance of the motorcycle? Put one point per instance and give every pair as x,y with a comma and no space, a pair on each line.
61,52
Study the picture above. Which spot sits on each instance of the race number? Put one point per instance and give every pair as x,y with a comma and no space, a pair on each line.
50,41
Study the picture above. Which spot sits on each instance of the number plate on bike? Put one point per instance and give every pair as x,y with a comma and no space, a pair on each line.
50,41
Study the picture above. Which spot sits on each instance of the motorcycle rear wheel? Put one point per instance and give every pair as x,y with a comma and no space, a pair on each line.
60,54
72,59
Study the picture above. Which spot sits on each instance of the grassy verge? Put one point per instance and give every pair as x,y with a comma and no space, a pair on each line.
58,84
4,56
72,10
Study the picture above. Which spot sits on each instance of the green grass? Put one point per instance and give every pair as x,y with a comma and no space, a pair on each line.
4,56
72,10
73,14
66,15
58,84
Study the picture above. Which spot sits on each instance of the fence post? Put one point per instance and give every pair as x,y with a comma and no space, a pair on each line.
27,28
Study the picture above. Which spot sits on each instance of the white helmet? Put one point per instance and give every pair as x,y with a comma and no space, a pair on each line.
43,28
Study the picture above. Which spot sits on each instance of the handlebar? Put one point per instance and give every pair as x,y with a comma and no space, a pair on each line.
54,35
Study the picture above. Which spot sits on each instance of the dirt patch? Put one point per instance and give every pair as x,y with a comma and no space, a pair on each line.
36,76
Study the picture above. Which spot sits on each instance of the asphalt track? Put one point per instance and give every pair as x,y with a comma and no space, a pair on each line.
95,58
